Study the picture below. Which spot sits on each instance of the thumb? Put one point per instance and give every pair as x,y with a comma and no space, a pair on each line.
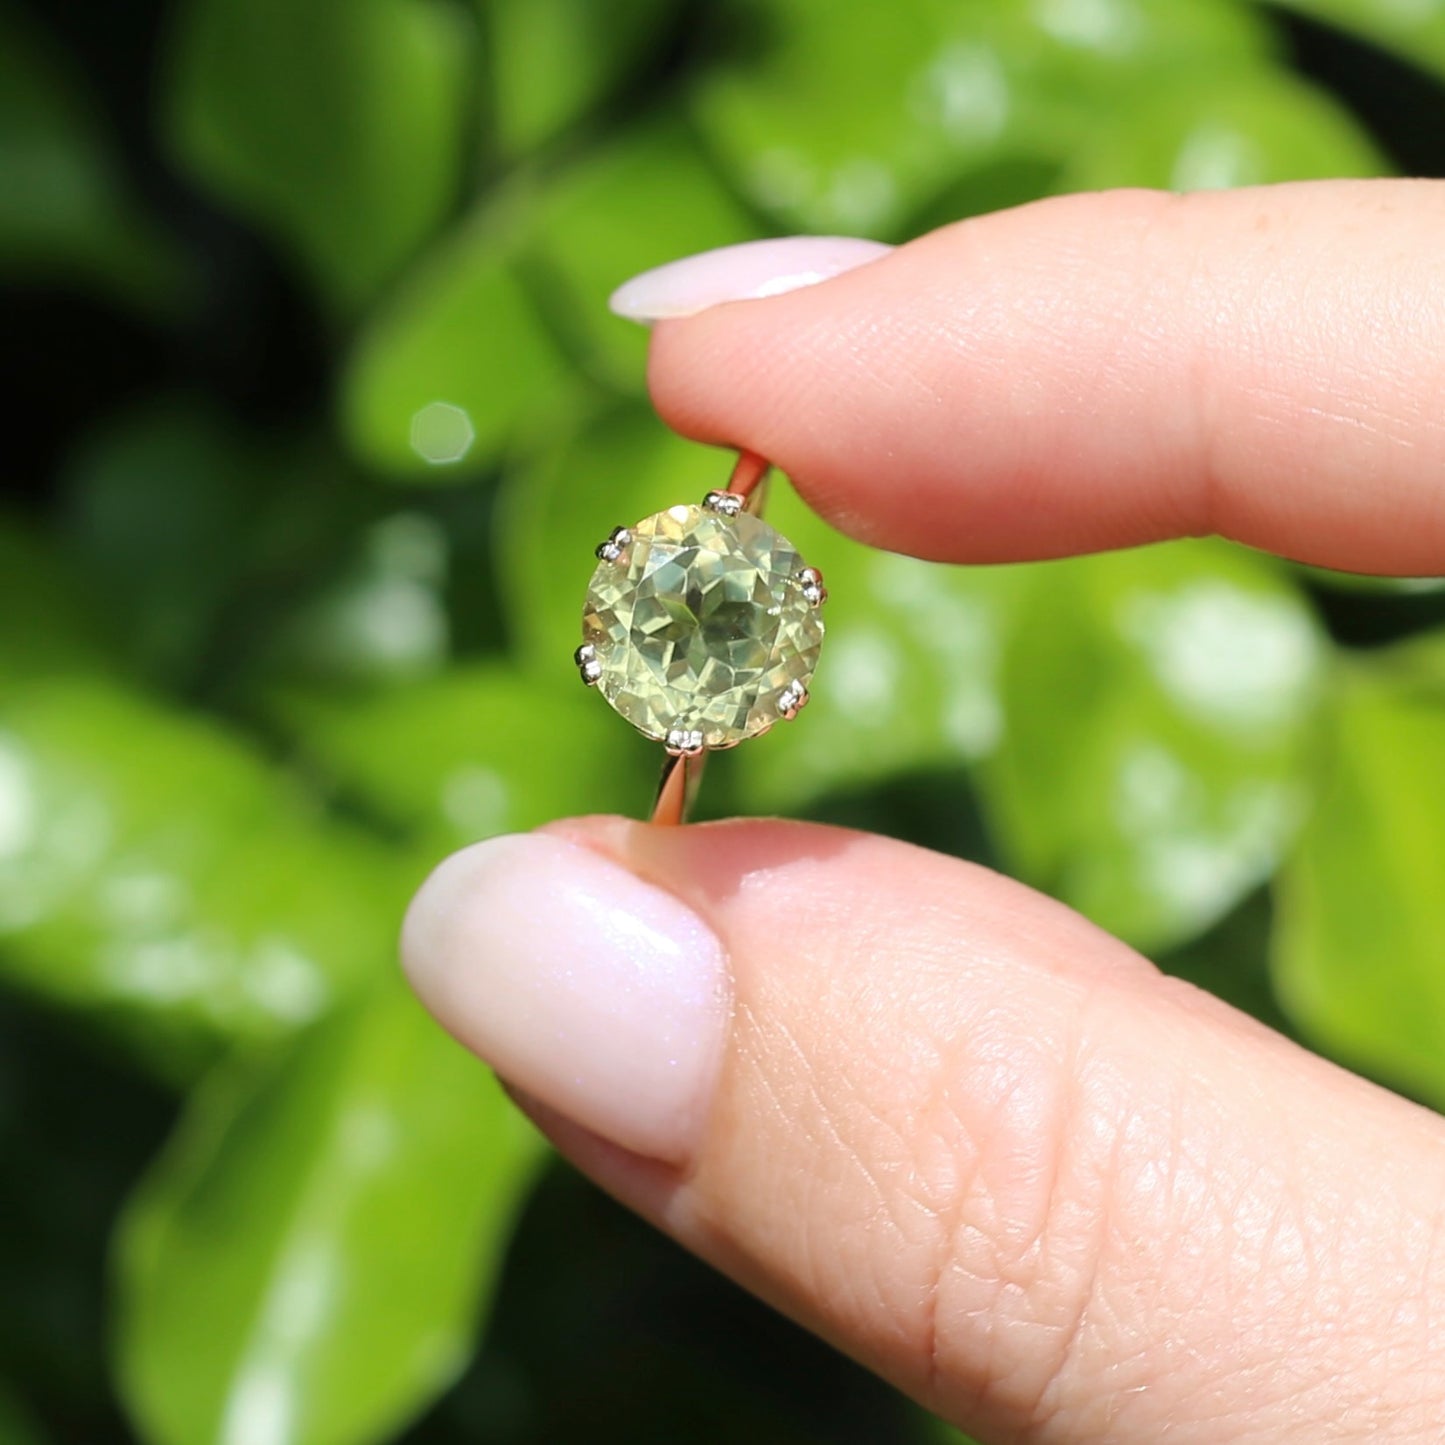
946,1123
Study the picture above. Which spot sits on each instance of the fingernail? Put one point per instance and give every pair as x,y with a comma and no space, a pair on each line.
601,995
740,273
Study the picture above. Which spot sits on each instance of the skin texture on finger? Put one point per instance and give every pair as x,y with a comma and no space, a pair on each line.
997,1157
1100,370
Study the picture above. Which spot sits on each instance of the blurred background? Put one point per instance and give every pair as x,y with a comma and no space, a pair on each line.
316,412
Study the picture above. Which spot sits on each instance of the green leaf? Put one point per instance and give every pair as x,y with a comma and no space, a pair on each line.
930,1430
846,115
51,626
1414,30
224,560
337,126
1211,131
65,214
1364,582
649,196
1073,67
1107,39
157,875
1360,938
1418,660
381,619
76,1127
308,1260
456,365
16,1425
553,60
1158,707
156,503
462,756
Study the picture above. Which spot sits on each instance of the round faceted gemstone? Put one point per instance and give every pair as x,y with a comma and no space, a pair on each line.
701,625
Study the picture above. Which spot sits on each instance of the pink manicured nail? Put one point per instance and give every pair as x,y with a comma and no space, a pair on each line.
739,273
599,994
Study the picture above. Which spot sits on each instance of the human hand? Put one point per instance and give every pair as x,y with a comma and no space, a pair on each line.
941,1120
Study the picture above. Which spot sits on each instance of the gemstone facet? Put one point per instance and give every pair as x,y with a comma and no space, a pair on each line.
704,626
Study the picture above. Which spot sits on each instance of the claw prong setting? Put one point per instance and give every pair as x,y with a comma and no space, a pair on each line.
810,580
588,664
701,626
613,548
792,700
684,742
726,504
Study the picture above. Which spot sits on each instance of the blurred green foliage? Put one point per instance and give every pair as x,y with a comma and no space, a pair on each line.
316,387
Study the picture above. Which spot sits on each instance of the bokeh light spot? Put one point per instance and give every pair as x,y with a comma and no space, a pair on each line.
442,433
19,809
475,801
1231,658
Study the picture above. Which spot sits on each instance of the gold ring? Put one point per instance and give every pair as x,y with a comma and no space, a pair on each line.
702,627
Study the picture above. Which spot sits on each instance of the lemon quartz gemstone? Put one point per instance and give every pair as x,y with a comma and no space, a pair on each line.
701,624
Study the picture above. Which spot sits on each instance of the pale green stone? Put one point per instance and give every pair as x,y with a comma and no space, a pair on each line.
701,625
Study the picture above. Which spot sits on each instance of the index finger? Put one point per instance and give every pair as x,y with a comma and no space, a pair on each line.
1102,370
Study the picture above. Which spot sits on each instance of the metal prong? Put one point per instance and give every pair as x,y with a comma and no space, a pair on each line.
792,700
811,581
677,787
727,504
684,742
750,480
587,664
612,548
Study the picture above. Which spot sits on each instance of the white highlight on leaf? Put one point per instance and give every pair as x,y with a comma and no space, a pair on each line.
1215,157
1237,660
965,92
284,981
19,807
1197,859
476,801
865,672
1104,25
960,635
